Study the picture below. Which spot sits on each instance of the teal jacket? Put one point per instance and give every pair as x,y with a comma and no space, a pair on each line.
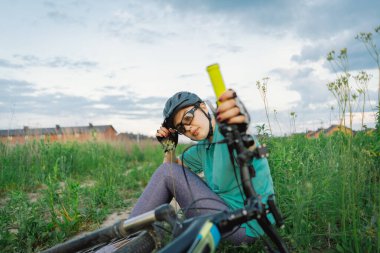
214,161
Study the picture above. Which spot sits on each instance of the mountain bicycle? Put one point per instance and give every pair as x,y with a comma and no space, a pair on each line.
148,232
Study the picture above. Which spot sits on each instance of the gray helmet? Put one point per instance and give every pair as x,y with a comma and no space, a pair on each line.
178,101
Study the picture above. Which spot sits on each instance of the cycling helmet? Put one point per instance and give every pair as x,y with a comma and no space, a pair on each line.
181,100
178,101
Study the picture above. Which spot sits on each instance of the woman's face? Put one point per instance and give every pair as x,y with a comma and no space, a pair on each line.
196,129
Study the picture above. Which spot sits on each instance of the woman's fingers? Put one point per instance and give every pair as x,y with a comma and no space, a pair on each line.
228,114
162,132
228,111
237,120
226,105
228,94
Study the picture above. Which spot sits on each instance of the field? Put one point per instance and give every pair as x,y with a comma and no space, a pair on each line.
327,188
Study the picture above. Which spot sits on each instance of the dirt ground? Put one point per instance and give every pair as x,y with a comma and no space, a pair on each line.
114,217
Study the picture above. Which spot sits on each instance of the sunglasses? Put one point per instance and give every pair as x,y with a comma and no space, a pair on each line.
186,120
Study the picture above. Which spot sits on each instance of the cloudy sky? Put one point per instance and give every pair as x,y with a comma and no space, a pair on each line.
72,62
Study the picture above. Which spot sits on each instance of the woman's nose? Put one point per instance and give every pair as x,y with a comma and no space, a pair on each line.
187,127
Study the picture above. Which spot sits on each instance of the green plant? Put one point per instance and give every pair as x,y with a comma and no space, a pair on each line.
362,79
326,187
262,86
341,88
370,45
293,117
276,119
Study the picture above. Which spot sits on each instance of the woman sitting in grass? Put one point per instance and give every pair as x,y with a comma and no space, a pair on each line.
185,113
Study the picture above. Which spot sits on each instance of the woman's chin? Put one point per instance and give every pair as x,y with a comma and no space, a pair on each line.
196,138
199,137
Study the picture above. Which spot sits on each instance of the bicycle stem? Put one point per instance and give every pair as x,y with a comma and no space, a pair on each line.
235,142
244,146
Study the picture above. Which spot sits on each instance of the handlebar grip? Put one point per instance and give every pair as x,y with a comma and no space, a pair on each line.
216,80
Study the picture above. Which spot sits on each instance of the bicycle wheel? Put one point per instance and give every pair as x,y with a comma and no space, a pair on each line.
140,242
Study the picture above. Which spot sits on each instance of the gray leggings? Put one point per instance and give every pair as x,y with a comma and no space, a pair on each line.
169,180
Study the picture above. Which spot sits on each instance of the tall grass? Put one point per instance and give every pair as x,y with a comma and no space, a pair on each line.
51,191
328,189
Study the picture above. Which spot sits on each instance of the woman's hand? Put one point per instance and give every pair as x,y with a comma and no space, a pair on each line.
231,110
167,137
163,132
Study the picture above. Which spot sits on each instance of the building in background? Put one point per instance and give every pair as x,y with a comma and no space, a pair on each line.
62,134
329,131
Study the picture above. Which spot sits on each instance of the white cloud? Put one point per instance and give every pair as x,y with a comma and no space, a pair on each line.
131,55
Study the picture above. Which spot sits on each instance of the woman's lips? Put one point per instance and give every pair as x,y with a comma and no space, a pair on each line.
195,132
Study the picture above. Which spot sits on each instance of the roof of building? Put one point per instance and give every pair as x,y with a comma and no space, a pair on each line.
55,131
335,126
326,131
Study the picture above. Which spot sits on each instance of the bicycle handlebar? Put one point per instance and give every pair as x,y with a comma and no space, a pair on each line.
212,226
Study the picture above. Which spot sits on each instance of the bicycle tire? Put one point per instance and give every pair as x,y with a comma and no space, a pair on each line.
145,242
140,242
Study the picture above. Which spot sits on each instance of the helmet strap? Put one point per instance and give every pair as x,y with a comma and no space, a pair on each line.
210,131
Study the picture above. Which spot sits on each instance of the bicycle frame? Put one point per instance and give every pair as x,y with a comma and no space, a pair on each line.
118,230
